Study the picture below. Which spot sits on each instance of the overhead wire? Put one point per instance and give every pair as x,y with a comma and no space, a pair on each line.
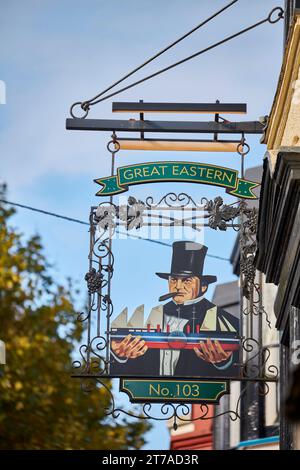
165,49
85,105
158,54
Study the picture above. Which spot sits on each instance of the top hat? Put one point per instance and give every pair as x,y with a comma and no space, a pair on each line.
187,261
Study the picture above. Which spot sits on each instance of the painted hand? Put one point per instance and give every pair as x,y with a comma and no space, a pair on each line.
212,352
129,347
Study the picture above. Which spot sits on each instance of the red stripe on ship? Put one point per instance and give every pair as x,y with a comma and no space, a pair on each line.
181,345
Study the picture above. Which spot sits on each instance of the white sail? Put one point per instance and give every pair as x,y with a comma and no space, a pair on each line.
121,320
156,317
137,319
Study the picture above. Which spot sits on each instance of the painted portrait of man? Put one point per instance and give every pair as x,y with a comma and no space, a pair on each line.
185,316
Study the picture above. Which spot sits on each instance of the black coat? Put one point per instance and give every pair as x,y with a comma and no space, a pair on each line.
188,365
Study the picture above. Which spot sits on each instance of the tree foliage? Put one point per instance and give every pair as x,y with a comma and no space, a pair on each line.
41,406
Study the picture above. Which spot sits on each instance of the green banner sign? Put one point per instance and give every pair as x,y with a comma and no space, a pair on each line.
160,391
154,172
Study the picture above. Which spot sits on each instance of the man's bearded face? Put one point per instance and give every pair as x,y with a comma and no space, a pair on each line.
188,288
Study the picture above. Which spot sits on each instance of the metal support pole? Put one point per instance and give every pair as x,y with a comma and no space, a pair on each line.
181,127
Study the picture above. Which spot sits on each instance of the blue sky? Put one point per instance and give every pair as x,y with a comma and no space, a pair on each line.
56,52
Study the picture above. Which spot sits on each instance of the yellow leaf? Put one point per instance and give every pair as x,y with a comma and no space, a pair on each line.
6,383
24,342
50,389
18,386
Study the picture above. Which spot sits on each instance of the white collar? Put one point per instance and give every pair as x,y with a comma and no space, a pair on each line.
190,302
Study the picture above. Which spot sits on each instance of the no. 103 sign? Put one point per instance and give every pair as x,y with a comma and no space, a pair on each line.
159,391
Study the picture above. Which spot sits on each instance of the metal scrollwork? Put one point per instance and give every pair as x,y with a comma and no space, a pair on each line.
257,364
94,359
172,200
136,213
163,412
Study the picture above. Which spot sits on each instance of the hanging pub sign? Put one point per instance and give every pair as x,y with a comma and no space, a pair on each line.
188,172
186,349
186,335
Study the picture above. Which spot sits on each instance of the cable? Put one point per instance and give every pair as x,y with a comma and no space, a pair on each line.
86,104
70,219
158,54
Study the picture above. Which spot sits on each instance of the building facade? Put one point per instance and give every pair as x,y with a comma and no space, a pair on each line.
257,427
278,255
265,419
193,435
